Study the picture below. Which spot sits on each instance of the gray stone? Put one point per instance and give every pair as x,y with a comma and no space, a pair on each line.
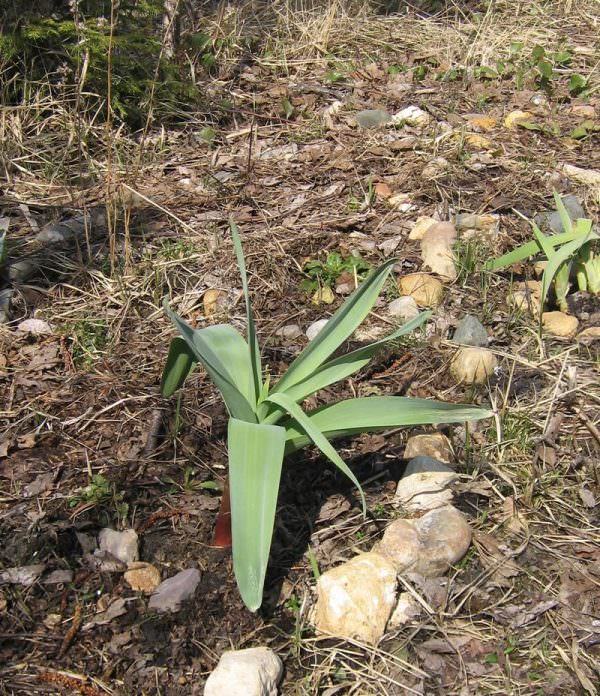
250,672
18,271
5,300
550,220
122,545
470,332
372,118
172,592
289,332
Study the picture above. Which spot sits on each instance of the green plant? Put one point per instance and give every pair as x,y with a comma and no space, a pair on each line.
540,67
89,339
101,491
571,248
61,51
326,273
266,422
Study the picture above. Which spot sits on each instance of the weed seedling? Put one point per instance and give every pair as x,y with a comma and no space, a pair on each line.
326,273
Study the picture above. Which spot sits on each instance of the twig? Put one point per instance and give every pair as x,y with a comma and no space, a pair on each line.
71,633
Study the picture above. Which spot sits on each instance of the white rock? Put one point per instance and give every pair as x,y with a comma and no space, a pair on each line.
445,537
437,249
122,545
406,610
355,600
250,672
35,327
400,544
484,228
289,332
401,202
472,365
428,545
314,328
403,308
586,177
434,445
421,226
424,485
412,116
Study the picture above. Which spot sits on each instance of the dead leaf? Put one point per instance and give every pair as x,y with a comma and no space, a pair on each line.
333,507
23,575
515,616
116,607
40,484
493,559
382,190
27,441
510,516
587,497
323,295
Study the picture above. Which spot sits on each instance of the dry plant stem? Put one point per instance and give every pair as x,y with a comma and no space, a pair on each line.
222,533
72,632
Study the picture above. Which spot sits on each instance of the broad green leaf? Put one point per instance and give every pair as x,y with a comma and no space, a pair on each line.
252,338
565,218
226,358
563,255
338,328
591,265
305,424
373,413
529,249
255,459
543,241
562,285
340,368
180,362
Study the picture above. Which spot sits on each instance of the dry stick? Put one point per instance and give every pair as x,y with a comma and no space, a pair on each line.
155,430
589,425
109,141
72,632
160,207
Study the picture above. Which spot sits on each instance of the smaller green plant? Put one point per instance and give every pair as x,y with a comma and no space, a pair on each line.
100,491
540,67
326,273
97,490
89,340
575,248
175,249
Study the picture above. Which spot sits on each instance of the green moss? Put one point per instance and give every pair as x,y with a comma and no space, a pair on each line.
53,50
